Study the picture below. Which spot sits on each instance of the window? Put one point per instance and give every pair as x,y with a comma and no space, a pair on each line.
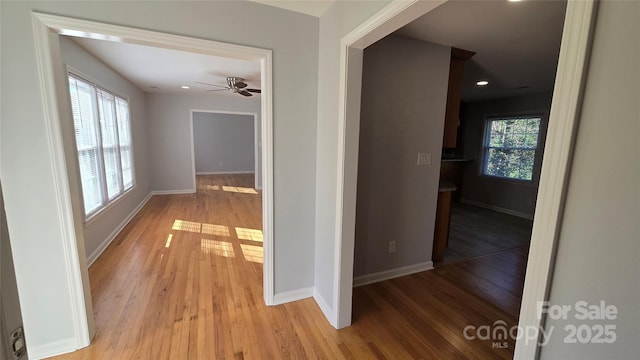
103,141
510,147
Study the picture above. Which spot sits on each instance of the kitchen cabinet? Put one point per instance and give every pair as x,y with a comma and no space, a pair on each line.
454,94
443,220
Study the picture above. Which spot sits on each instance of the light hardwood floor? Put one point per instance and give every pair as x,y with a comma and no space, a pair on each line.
184,281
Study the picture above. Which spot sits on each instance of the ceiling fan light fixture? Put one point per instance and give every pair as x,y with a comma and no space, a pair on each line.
236,85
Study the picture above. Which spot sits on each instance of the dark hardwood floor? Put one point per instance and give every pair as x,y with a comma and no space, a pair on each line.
184,281
476,231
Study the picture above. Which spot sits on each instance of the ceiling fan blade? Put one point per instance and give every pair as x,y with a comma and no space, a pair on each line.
244,92
241,85
204,83
258,91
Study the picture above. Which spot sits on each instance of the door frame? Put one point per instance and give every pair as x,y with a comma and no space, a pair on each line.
563,121
46,30
256,142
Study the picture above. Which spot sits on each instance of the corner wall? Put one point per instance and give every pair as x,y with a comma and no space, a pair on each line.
337,21
404,95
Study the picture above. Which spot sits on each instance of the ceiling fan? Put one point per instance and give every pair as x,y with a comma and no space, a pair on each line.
235,85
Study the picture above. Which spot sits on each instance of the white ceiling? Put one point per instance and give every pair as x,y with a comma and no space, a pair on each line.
516,43
309,7
165,71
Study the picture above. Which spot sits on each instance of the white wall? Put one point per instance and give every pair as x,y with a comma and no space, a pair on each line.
169,129
598,249
223,143
101,228
404,96
517,197
33,215
338,20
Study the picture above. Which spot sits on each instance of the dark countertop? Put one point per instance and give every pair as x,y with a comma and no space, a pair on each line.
447,186
456,160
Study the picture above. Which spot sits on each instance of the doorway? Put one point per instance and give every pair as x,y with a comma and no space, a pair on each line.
559,144
220,142
47,28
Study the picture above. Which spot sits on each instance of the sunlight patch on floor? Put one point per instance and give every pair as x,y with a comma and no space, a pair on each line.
235,189
212,229
239,189
189,226
252,253
216,247
168,243
196,227
249,234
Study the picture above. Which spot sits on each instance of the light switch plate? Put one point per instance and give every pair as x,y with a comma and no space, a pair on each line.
424,159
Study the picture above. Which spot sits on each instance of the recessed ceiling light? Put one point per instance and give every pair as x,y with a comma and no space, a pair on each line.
515,0
185,87
482,83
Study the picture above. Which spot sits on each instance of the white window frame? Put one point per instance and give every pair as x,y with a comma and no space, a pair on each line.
535,173
123,191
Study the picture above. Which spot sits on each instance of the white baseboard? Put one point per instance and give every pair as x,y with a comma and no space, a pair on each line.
52,349
325,308
97,252
224,172
294,295
173,192
393,273
497,208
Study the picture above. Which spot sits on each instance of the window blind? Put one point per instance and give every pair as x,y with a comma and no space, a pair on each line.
103,141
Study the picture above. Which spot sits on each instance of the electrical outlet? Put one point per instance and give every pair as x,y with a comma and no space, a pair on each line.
220,164
392,247
424,159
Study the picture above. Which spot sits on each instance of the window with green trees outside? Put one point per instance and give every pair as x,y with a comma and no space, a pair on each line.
510,146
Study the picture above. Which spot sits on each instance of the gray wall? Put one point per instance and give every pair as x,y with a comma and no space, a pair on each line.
338,20
102,226
9,300
516,197
25,158
223,143
598,250
404,95
169,131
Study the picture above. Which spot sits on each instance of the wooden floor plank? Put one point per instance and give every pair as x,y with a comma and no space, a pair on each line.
183,280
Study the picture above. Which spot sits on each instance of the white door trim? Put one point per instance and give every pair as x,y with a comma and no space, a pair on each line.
46,26
563,123
558,149
256,142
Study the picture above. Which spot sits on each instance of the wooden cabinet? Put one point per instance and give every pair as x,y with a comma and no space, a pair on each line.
443,220
454,93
